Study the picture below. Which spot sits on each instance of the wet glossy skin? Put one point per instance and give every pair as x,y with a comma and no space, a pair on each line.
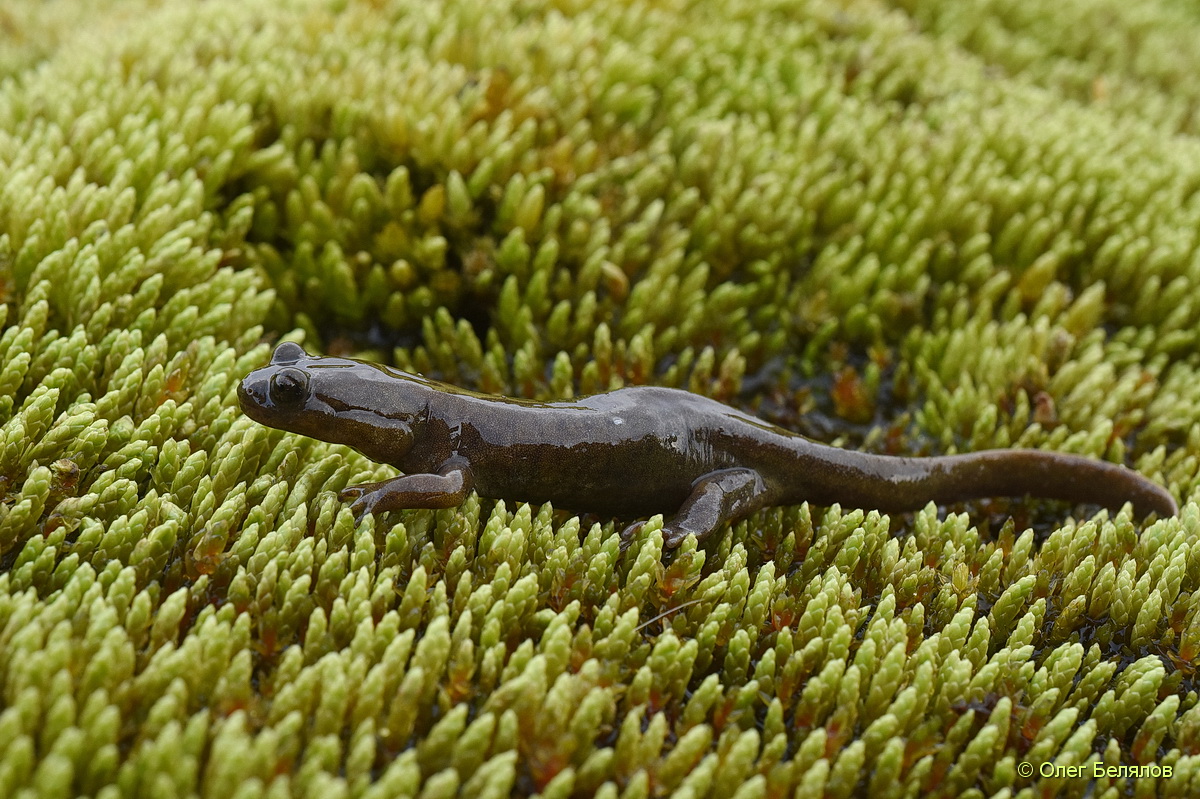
632,453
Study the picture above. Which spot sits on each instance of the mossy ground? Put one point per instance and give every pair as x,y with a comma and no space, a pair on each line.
912,227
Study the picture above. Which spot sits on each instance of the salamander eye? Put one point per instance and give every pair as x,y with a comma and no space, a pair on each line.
289,387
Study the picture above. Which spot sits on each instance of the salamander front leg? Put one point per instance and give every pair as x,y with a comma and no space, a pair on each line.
446,489
717,497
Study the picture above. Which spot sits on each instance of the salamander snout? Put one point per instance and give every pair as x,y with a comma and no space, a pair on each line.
264,393
253,396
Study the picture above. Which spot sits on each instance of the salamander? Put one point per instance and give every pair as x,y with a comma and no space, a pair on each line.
633,452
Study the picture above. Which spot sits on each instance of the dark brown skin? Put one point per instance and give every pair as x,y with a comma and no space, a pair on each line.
632,453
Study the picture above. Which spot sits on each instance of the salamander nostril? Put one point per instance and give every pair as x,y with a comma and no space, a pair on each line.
252,394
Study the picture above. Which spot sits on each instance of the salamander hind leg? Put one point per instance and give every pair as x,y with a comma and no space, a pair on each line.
446,489
716,498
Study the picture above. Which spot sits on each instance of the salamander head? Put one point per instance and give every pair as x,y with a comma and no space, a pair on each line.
338,400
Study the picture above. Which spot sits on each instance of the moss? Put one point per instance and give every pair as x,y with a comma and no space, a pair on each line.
918,227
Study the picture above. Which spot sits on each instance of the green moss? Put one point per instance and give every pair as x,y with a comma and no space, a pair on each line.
930,226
